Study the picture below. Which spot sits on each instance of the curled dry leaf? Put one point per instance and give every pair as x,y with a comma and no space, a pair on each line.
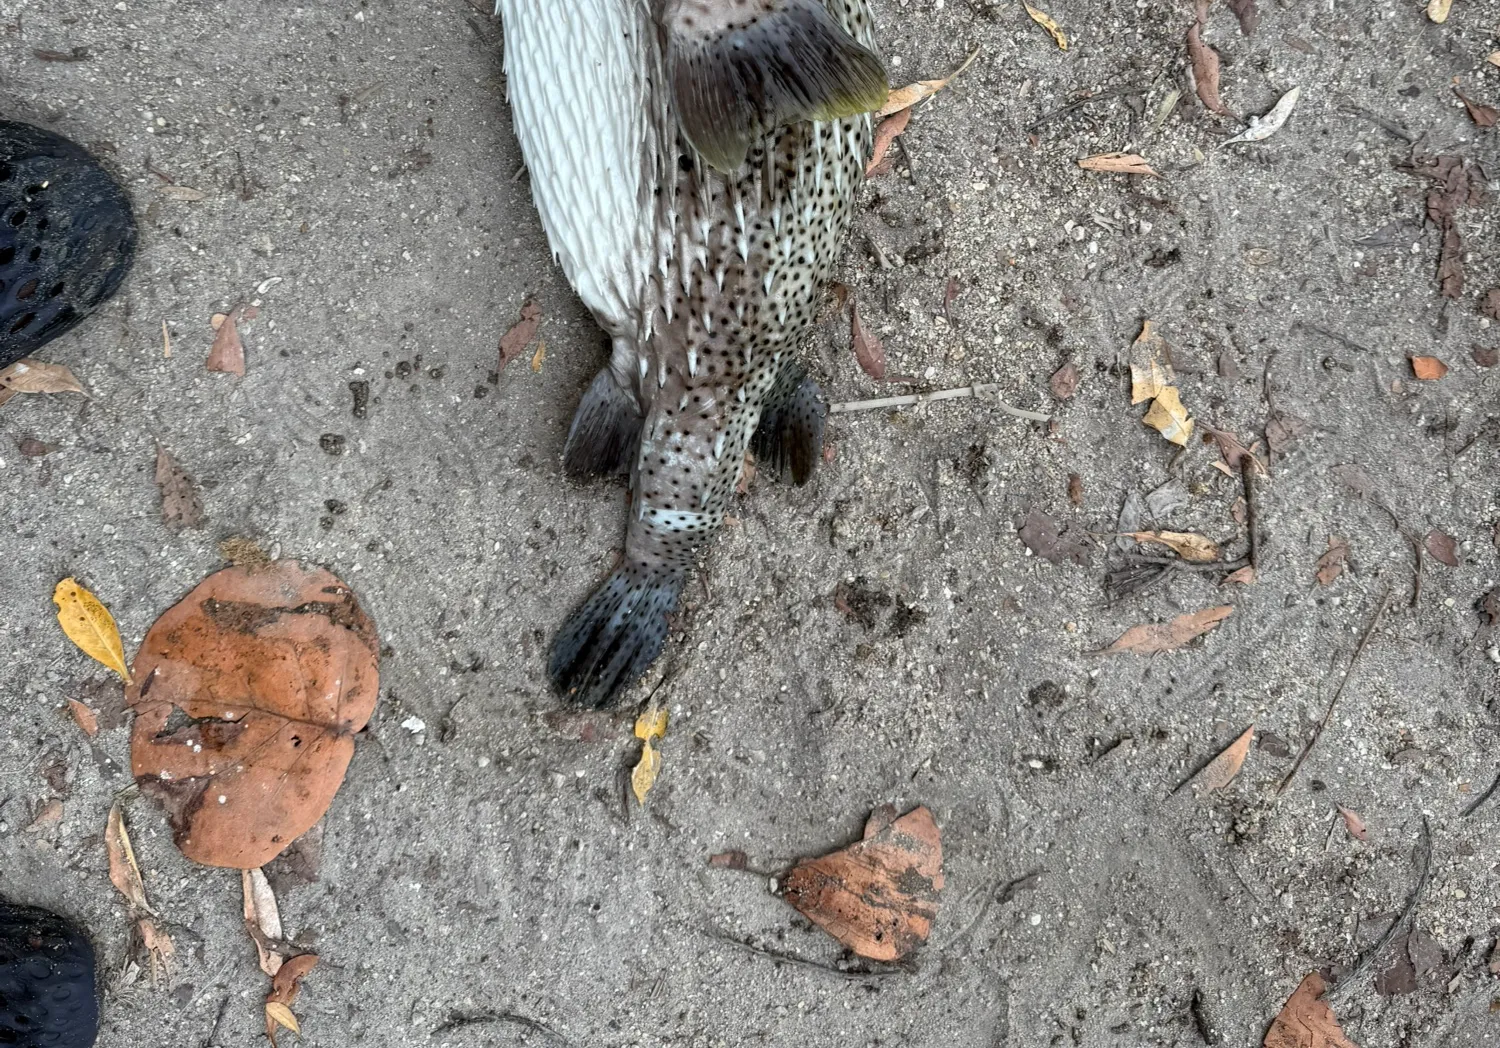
248,694
124,871
1064,381
262,919
889,130
1443,547
86,719
1331,564
1263,127
227,354
1043,20
1148,374
1428,369
88,624
521,333
1075,489
1205,64
878,896
1482,115
1118,164
181,508
867,348
1306,1021
285,986
1220,771
650,725
911,94
1169,418
1185,544
1354,824
279,1015
1168,636
33,376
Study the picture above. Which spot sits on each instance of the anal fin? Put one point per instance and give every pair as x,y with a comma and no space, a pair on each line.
790,435
606,429
738,76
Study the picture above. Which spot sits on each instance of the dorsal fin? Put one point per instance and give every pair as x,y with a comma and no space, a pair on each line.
740,70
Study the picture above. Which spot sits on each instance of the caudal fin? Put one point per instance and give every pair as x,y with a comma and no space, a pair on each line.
619,631
734,81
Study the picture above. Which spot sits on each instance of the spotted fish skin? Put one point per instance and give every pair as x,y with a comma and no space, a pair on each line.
736,213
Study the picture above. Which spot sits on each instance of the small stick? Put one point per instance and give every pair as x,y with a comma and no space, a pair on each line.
793,959
913,399
1186,565
1486,795
1328,713
1248,465
1405,916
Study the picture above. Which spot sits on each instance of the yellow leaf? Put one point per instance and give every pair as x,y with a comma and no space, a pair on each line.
1184,544
538,356
1041,19
1118,164
911,94
1148,376
281,1015
644,775
652,724
89,625
1437,10
1169,418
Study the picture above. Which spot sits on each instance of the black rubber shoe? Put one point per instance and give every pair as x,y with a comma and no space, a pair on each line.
48,997
67,237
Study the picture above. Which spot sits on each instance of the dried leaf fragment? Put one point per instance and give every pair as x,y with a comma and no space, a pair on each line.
911,94
1442,546
1246,12
1051,541
1482,115
1428,369
50,812
124,871
1331,564
867,348
734,859
1148,375
88,624
181,508
521,333
1220,771
1064,381
1205,65
285,986
1042,19
1354,824
538,357
227,354
1186,545
1169,418
1437,10
33,376
279,1015
258,681
650,725
1306,1021
886,134
1118,164
262,916
1243,577
1263,127
1168,636
878,896
86,719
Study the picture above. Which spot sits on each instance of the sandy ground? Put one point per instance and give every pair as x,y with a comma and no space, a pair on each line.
362,185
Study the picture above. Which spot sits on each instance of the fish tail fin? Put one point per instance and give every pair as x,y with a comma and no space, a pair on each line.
790,435
608,643
734,81
606,428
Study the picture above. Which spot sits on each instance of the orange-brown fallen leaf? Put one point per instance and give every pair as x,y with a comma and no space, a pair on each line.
285,986
911,94
86,719
1428,369
1442,546
1205,64
247,696
1306,1021
1118,164
867,348
1220,771
1244,576
888,131
1331,564
878,896
1481,114
227,353
520,334
1354,824
1168,636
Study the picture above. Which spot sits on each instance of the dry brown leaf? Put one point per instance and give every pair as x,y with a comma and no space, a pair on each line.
275,668
878,896
1485,357
1220,771
1437,10
33,376
1205,65
1168,636
1042,19
729,860
1185,544
1354,824
159,947
1075,489
867,348
1118,164
1428,369
181,508
227,354
279,1015
1064,381
1148,375
1169,418
1306,1021
124,872
911,94
285,986
1052,541
1246,12
889,130
1331,564
521,333
86,719
1243,577
262,915
1443,547
49,813
1482,115
1458,184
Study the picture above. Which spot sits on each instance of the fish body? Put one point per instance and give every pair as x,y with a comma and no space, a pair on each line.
695,164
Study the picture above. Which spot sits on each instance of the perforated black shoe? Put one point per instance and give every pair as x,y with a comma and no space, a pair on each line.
48,997
67,237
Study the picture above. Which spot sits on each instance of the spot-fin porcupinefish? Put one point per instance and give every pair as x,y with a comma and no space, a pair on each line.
695,164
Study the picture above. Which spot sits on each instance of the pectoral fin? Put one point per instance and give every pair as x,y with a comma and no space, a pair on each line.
738,75
790,434
606,429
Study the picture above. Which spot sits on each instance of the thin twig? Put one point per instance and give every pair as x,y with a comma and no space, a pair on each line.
913,399
1405,916
1328,713
1248,466
1486,795
1186,565
788,958
459,1019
